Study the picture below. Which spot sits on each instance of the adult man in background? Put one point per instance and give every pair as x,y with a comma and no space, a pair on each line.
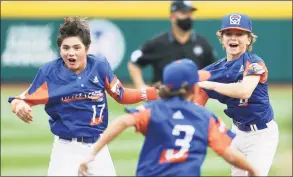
180,42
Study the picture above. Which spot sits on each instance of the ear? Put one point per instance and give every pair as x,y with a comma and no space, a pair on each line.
249,40
87,49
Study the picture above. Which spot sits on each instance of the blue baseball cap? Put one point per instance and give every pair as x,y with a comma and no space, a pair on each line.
236,21
178,72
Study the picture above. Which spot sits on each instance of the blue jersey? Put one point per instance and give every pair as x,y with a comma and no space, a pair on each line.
256,109
76,103
177,134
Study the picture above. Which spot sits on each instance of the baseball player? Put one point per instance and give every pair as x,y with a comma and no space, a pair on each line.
240,81
73,88
177,131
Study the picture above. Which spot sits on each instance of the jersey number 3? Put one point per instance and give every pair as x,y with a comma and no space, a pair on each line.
172,155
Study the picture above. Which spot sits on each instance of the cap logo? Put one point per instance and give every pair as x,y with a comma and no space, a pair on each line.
188,3
235,19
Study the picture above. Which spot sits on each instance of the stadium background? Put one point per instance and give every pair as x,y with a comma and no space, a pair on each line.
28,40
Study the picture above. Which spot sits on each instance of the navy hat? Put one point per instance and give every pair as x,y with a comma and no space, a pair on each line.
180,5
178,72
236,21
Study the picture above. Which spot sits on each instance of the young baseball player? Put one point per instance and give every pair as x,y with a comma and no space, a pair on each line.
73,88
177,131
240,81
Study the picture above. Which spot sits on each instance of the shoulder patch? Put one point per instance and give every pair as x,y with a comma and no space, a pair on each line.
256,68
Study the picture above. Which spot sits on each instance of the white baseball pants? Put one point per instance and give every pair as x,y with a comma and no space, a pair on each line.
258,146
66,157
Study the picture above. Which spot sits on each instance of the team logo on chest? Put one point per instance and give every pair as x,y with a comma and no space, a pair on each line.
96,80
241,69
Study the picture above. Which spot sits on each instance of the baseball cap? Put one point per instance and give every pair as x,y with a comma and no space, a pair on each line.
180,5
178,72
236,21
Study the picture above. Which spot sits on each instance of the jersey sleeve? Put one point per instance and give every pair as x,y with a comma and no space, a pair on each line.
143,56
112,83
125,95
219,137
142,119
200,96
257,68
37,93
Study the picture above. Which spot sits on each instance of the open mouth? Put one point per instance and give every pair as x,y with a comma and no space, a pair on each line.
233,45
71,60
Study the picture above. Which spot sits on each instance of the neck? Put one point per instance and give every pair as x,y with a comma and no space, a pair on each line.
234,57
79,70
180,35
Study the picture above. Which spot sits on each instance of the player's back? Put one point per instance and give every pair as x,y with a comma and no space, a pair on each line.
176,139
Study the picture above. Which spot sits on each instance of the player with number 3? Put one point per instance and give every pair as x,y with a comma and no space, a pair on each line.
177,131
73,89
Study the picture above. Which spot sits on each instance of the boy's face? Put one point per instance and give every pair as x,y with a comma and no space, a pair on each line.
74,53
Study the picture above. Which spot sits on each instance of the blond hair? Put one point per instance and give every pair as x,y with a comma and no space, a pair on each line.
251,35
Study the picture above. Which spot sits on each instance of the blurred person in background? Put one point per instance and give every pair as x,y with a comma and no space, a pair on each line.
180,42
240,81
73,89
177,131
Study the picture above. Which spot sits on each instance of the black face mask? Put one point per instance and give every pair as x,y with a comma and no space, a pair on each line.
185,24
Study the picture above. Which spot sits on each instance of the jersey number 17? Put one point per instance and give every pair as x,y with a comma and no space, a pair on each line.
97,120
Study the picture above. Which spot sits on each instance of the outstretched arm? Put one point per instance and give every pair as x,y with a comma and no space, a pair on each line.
109,134
129,96
236,158
241,90
220,139
254,73
139,119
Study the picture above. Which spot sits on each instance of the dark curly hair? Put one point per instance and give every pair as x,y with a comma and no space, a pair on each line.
75,26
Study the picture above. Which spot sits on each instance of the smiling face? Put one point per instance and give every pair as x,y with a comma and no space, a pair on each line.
74,54
235,42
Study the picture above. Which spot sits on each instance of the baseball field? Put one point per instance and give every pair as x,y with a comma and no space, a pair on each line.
26,148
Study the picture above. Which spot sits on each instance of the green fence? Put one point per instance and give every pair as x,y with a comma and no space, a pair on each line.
28,43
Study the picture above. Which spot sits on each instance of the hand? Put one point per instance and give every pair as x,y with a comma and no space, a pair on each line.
207,85
83,167
22,110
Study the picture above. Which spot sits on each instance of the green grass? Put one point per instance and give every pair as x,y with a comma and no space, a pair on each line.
26,148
